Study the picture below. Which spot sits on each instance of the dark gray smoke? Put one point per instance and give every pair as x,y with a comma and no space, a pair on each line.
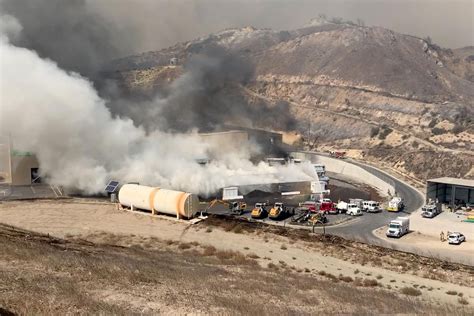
66,31
208,96
205,97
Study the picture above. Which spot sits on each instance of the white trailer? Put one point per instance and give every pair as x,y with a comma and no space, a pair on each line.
398,227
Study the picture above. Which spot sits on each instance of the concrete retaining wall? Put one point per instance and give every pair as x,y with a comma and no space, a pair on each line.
349,170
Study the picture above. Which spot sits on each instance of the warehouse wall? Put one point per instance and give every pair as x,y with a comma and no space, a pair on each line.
347,169
21,168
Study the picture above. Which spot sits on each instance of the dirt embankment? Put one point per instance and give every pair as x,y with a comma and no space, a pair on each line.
274,256
128,274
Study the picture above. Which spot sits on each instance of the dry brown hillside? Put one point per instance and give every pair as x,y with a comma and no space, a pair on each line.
385,97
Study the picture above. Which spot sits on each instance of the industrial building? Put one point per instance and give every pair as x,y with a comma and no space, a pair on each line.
234,138
450,191
17,167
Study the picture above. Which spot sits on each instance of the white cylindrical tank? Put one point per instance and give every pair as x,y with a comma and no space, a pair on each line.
170,202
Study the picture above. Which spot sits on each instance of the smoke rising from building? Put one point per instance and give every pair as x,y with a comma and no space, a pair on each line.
59,116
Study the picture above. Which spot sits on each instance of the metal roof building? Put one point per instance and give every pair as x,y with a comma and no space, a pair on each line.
451,191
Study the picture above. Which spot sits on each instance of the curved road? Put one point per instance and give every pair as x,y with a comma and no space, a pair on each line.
361,228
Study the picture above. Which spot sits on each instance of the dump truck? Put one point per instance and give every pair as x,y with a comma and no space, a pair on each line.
395,204
235,207
431,210
341,207
259,211
317,218
398,227
278,211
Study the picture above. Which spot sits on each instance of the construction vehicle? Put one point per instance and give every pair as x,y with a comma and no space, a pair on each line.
278,211
398,227
317,218
235,207
395,204
430,210
308,217
259,211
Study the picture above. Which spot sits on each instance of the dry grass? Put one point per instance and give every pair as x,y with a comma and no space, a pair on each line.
209,251
346,279
463,301
253,256
56,277
410,291
183,246
366,255
370,282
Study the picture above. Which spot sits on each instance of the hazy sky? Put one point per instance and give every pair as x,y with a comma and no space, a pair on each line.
161,23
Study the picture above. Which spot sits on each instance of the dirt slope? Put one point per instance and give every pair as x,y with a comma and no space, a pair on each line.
368,90
115,262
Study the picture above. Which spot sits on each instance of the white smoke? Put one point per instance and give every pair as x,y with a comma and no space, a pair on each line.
60,117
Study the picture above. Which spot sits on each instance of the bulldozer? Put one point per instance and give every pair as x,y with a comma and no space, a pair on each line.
318,218
278,211
259,211
235,207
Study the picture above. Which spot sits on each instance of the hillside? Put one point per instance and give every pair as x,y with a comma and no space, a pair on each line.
386,97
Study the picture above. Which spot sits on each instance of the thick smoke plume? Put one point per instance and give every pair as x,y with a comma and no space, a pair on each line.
68,32
78,38
206,96
59,116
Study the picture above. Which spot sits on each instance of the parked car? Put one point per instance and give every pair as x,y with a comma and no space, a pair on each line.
456,238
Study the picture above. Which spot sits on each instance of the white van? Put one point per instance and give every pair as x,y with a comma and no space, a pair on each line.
371,206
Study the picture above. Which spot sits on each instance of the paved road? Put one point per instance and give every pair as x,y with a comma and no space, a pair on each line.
361,228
